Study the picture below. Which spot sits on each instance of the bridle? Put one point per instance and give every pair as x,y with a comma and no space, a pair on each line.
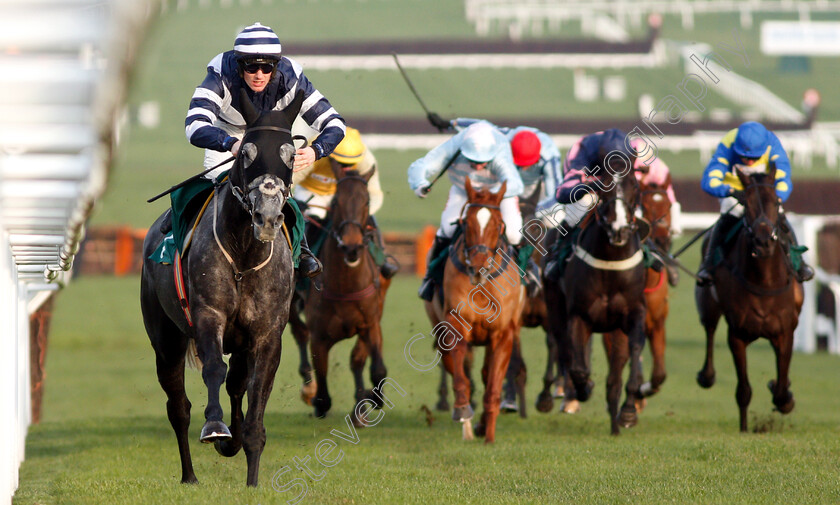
762,215
601,219
337,231
243,196
469,251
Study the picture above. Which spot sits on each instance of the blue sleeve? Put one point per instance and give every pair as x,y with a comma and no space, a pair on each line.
461,123
429,166
784,183
718,167
315,110
205,105
502,165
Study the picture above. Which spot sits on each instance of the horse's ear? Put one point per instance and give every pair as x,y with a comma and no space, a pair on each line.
502,190
744,178
469,188
249,112
291,112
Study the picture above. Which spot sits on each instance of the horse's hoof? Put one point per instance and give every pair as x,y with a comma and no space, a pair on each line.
558,392
545,402
227,448
705,381
462,413
508,406
213,431
467,430
442,406
307,392
322,406
583,393
628,418
570,406
479,429
359,421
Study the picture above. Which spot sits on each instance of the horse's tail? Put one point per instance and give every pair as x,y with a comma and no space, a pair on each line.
193,361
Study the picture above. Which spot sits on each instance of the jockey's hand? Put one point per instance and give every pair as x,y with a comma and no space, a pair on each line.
422,191
438,122
234,150
304,158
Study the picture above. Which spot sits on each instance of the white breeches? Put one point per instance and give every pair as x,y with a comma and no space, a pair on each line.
458,199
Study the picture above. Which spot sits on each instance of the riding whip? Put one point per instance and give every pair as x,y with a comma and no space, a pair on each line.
184,183
410,85
696,237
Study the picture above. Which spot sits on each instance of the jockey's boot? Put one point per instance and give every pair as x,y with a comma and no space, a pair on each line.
309,266
804,272
427,288
166,223
717,236
554,264
673,274
531,279
390,265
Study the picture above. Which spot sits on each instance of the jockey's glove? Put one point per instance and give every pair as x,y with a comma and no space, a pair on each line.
422,191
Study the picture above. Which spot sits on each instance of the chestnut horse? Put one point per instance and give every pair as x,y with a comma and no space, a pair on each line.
482,304
347,298
756,292
602,290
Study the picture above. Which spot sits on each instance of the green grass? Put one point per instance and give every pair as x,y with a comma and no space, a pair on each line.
105,438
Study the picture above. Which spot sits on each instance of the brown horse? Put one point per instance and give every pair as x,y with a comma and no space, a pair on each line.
656,209
602,290
756,292
351,298
481,305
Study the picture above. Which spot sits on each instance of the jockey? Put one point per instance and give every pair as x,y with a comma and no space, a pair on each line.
536,158
650,169
315,187
583,162
751,146
256,63
482,153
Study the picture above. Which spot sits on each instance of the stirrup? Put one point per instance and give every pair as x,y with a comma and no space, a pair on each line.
309,266
390,267
704,278
805,273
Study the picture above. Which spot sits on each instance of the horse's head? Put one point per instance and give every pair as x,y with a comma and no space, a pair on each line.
349,212
262,173
483,227
761,209
616,187
656,208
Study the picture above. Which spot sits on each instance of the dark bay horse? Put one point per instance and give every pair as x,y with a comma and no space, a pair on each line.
348,297
656,209
482,304
602,290
756,292
238,280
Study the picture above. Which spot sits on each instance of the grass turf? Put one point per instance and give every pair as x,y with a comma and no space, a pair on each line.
105,438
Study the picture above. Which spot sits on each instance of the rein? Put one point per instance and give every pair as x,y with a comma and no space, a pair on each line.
242,195
237,274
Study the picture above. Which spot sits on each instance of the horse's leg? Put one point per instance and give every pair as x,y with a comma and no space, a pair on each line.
236,384
358,358
469,356
264,357
443,403
545,400
743,393
170,372
210,329
710,314
301,333
578,335
496,361
320,359
462,410
514,385
617,347
636,343
782,396
656,338
378,372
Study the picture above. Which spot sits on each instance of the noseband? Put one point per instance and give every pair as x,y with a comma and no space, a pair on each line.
762,215
242,195
480,248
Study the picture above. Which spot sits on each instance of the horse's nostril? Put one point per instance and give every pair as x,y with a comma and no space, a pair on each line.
259,220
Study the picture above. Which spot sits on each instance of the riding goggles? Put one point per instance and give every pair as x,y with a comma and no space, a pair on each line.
251,68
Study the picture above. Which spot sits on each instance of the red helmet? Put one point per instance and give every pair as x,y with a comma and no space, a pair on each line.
526,148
